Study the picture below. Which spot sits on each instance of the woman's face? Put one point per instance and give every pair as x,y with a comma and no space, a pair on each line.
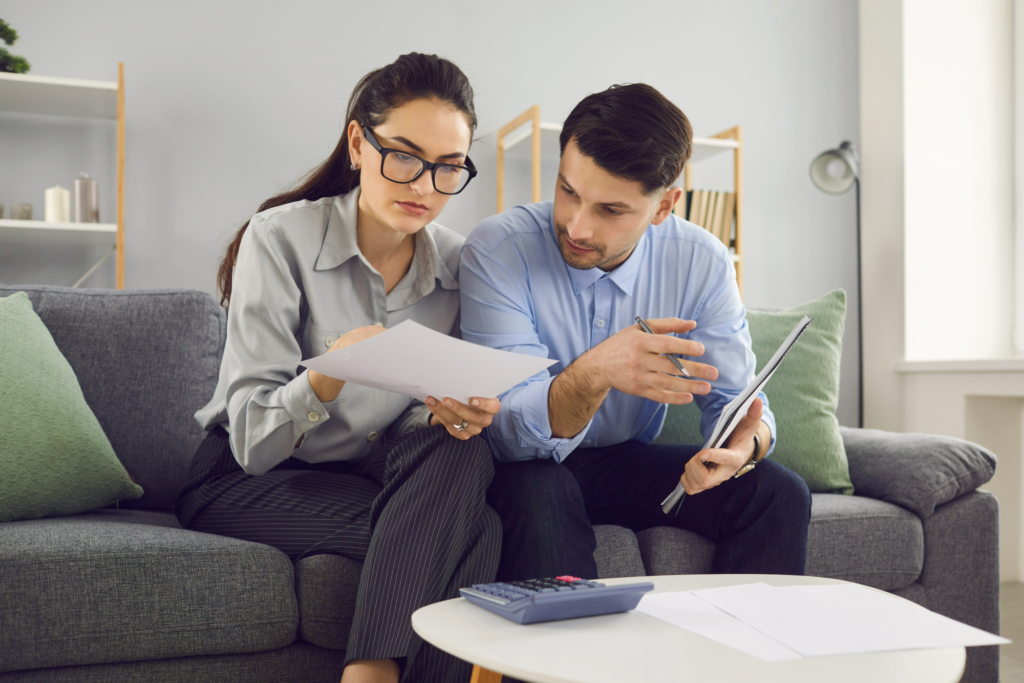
425,128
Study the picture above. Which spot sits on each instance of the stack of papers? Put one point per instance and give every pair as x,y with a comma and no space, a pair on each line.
776,624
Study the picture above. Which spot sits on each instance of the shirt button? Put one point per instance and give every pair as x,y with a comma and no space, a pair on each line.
600,323
372,436
378,324
587,442
313,416
329,342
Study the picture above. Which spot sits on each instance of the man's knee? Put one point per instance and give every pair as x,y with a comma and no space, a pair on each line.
787,488
539,486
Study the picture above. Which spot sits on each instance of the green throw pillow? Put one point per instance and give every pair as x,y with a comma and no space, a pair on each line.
54,457
803,394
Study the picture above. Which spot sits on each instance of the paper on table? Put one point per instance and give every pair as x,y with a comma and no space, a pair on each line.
417,361
689,612
842,619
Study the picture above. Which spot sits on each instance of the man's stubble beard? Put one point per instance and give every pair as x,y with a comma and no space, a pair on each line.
574,261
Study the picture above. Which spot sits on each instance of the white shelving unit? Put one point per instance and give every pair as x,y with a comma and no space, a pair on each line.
544,138
25,94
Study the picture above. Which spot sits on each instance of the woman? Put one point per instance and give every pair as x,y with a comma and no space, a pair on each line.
310,464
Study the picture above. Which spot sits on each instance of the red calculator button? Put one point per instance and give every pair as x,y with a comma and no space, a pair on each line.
570,579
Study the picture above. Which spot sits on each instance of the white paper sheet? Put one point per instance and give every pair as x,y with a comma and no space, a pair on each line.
416,361
841,619
689,612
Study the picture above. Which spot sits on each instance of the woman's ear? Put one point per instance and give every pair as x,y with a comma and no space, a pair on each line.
355,142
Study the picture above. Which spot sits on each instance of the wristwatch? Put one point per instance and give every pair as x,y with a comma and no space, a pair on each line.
752,463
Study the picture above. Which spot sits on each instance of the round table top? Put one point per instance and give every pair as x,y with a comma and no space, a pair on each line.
636,647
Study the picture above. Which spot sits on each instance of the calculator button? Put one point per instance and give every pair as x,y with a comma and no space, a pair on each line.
570,579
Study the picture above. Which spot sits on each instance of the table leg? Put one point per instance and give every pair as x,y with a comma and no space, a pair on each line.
482,675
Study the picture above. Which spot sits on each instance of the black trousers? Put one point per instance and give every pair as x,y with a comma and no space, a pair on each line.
413,512
758,522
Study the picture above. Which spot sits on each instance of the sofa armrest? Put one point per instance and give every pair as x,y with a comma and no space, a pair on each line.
915,471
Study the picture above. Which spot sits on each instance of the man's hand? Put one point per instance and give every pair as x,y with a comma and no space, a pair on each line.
712,466
632,362
449,412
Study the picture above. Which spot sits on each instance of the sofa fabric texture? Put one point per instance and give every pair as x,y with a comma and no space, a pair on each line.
54,456
92,588
916,471
146,361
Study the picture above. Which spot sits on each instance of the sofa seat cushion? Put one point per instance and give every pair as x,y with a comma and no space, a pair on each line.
124,585
867,541
326,587
851,537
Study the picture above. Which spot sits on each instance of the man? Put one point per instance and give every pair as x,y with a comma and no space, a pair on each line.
565,280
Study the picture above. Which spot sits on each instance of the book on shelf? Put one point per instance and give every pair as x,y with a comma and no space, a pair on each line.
730,215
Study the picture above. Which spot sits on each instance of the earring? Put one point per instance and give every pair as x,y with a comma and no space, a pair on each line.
353,166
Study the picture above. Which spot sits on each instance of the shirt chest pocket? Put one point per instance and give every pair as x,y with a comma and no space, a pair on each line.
318,340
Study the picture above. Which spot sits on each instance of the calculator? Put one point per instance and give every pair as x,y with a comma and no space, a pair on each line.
563,597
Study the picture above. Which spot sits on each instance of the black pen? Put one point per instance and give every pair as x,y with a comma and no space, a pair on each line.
675,361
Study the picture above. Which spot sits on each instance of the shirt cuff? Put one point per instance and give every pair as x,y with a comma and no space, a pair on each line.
302,405
769,420
533,423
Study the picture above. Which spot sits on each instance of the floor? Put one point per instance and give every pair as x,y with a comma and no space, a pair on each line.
1011,610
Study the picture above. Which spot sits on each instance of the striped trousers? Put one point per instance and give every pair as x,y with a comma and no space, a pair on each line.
413,513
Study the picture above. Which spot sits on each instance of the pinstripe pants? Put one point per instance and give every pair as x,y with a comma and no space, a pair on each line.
413,512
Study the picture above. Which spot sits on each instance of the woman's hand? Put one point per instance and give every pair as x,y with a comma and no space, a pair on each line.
449,412
327,388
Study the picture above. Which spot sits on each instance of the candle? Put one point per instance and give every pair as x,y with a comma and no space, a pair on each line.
58,205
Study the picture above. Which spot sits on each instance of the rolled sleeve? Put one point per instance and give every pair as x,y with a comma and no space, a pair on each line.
522,428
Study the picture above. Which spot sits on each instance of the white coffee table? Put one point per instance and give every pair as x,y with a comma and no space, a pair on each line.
618,648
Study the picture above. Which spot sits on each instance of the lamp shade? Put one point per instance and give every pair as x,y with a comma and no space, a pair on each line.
836,170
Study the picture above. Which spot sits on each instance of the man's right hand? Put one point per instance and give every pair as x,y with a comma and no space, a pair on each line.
632,362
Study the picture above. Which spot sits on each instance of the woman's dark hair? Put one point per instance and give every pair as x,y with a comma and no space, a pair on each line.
633,132
411,77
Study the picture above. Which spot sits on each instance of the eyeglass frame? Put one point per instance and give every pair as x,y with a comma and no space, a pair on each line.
427,165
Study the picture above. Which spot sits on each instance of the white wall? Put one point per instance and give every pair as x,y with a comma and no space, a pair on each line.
958,104
228,102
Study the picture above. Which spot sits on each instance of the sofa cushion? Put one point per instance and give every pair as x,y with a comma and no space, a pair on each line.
326,587
850,537
112,586
864,540
146,360
617,553
916,471
54,456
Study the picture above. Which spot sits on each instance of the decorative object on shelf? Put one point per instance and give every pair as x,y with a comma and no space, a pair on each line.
86,207
70,97
58,205
21,212
8,62
835,172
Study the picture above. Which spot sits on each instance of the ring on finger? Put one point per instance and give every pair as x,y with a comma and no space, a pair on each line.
460,427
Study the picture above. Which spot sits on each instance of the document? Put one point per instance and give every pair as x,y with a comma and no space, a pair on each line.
687,611
735,409
841,619
417,361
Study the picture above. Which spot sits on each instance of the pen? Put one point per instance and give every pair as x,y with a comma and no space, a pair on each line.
675,361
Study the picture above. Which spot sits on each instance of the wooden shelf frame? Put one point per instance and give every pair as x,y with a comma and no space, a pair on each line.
31,94
731,139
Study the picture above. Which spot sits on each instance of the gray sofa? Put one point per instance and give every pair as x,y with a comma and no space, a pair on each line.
126,594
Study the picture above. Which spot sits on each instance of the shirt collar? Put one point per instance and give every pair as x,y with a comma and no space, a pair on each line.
624,276
340,245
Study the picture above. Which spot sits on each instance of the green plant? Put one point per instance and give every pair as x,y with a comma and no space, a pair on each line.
9,62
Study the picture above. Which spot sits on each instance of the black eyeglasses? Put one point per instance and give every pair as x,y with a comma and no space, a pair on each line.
402,167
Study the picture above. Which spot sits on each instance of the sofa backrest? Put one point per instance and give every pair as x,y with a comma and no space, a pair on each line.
146,361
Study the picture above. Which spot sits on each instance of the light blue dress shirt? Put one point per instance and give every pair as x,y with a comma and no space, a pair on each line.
518,294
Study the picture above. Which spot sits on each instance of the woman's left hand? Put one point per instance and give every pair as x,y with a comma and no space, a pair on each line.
477,415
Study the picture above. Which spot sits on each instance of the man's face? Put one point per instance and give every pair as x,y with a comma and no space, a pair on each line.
599,217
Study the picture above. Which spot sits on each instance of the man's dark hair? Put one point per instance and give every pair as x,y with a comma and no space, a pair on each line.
633,132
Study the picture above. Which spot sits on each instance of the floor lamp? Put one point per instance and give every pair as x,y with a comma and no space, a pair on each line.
835,172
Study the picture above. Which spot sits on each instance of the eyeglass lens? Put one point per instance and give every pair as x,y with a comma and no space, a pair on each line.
403,168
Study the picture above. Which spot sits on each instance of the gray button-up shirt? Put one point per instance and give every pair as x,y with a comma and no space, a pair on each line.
300,282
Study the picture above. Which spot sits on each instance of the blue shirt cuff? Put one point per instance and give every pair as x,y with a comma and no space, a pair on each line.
528,409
